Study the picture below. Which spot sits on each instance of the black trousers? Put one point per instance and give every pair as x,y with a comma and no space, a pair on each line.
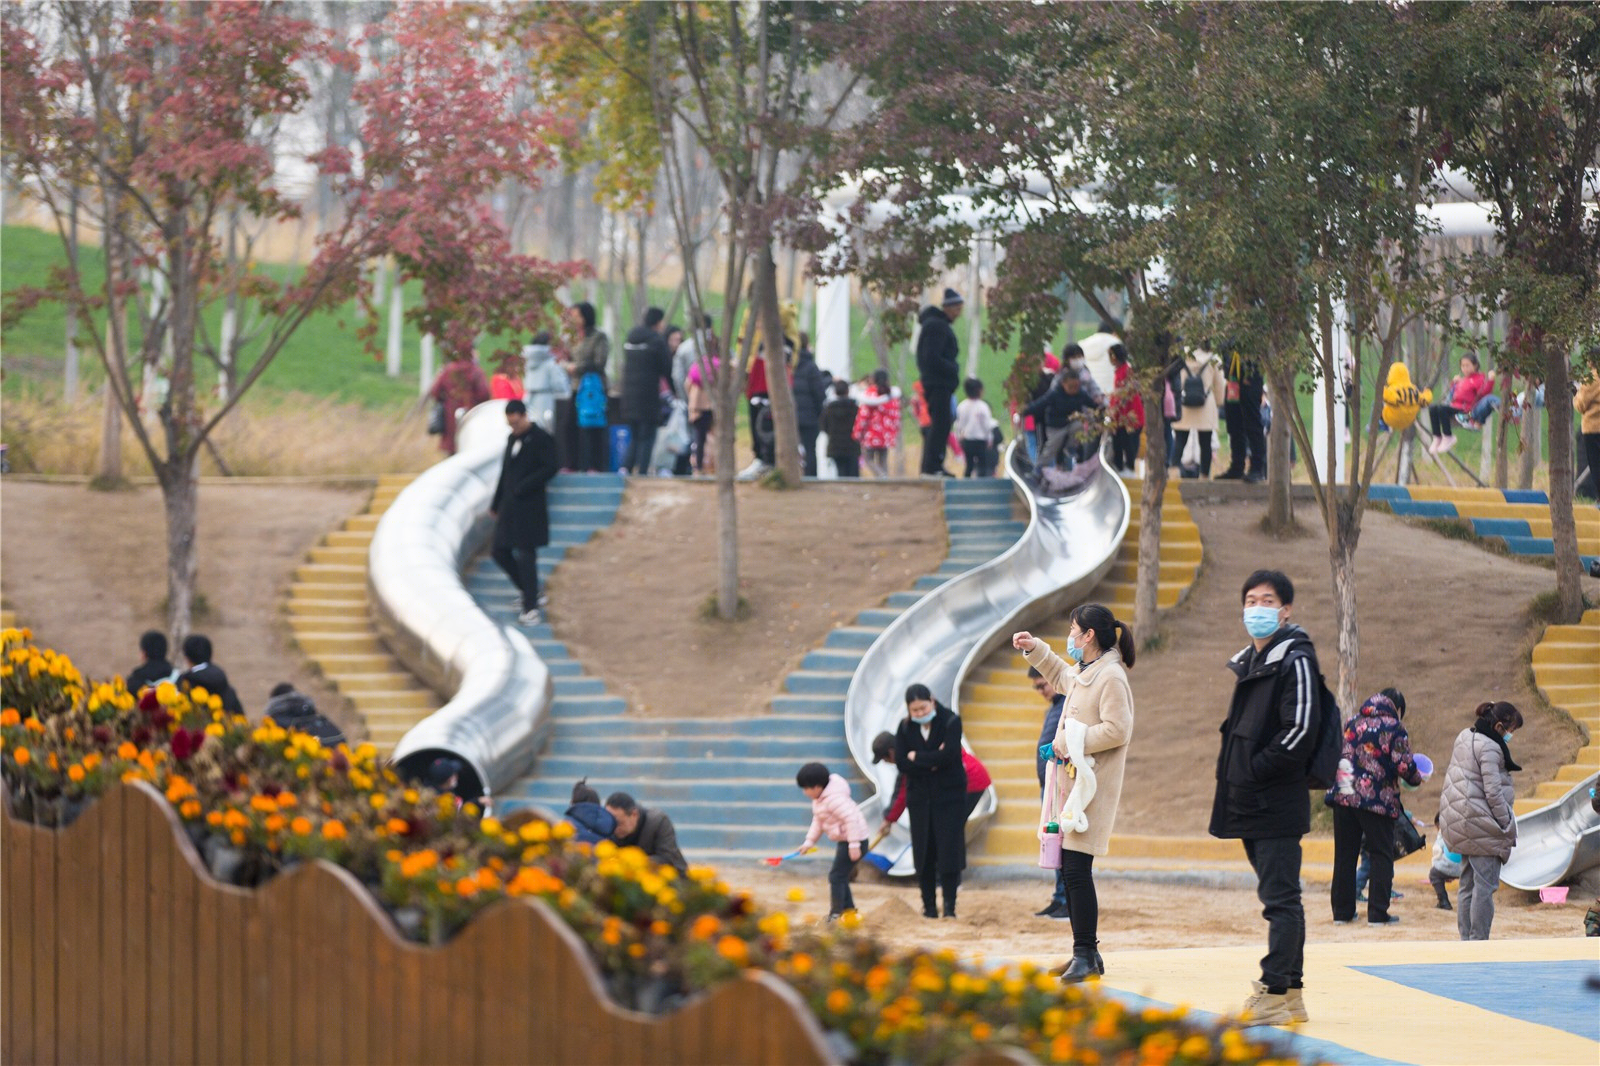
1276,861
1247,438
1125,448
702,429
1077,874
762,448
976,452
1441,419
521,566
808,445
592,448
839,897
1591,453
848,465
567,433
641,446
941,418
1354,829
1182,442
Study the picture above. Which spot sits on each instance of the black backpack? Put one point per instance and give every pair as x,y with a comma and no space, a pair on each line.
1194,389
1323,765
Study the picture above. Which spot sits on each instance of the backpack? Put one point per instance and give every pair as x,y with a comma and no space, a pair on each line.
1194,389
591,401
1323,766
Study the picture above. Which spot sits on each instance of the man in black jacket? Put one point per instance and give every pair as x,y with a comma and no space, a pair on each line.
153,666
810,393
649,831
522,521
1262,797
939,366
645,363
203,673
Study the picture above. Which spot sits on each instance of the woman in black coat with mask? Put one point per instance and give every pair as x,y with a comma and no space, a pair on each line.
927,751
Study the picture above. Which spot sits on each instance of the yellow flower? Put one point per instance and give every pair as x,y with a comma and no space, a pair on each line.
410,796
850,920
605,849
490,826
214,729
797,895
562,831
534,832
377,799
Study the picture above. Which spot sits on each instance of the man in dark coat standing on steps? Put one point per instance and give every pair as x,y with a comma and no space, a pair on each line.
645,363
521,518
938,364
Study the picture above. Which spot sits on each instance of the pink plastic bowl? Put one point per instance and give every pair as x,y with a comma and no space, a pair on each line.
1555,894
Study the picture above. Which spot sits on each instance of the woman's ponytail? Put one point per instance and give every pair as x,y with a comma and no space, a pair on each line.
1108,633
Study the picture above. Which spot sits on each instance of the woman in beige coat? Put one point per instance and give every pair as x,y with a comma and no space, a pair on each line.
1100,705
1199,379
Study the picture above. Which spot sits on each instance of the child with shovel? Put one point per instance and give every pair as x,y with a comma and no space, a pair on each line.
833,812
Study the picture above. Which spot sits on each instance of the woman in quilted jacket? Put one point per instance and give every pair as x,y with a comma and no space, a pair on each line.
1366,802
1476,815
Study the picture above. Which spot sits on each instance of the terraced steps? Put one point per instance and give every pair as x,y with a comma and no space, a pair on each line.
1566,669
728,783
1518,518
1002,715
328,616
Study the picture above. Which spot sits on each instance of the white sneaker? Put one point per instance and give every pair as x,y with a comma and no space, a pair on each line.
543,601
530,617
1265,1008
755,470
1446,444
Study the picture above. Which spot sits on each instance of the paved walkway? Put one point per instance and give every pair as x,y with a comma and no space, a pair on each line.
1494,1003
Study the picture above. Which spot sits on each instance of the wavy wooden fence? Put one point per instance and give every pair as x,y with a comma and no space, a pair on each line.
119,947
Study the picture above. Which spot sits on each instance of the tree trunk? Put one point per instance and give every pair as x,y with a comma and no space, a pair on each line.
1528,457
395,353
641,282
1563,526
786,437
180,499
1342,559
70,385
108,468
1147,578
1280,471
1502,471
727,496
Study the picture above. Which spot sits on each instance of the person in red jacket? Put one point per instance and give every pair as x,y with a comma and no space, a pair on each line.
1466,389
978,778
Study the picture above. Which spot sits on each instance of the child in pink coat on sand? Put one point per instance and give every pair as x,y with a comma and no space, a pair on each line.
833,812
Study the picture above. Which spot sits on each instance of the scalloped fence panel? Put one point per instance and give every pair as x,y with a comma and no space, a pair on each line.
119,947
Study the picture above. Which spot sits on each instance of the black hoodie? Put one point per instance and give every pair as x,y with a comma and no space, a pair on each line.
938,352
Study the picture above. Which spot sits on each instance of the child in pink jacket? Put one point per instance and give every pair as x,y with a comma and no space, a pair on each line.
833,812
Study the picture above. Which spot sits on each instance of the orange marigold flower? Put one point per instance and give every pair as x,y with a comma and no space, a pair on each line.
10,716
92,760
190,809
838,1001
286,800
660,928
396,825
734,950
53,762
75,773
636,950
334,830
22,756
467,887
33,725
214,818
126,750
237,836
275,823
705,927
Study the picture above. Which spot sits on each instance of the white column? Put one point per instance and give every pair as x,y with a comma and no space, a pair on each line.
1319,415
832,333
426,377
396,327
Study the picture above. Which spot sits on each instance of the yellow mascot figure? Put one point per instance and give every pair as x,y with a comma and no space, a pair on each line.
1401,400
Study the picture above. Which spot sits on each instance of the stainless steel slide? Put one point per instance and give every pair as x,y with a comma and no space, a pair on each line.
1556,844
499,688
1068,547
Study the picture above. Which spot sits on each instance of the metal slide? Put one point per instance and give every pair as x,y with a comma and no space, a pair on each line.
500,690
1068,547
1556,844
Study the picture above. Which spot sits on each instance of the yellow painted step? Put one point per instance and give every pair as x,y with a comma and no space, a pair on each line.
338,665
395,481
350,538
1574,674
332,574
362,523
1588,762
1454,495
388,681
317,645
311,624
342,556
322,592
405,700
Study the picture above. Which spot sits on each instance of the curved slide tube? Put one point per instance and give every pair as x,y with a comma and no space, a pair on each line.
1068,547
1555,844
500,690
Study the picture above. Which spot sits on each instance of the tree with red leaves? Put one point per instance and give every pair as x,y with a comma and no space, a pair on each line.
161,116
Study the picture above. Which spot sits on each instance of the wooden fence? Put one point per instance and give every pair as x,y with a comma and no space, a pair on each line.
119,947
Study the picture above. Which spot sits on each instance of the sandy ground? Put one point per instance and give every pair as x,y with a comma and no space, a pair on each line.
1443,621
996,915
631,603
86,571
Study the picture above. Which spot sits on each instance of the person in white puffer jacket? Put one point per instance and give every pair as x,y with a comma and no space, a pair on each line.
1477,817
544,383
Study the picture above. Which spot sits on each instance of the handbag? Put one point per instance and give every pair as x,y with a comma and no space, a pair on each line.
1050,848
1232,393
1407,838
436,419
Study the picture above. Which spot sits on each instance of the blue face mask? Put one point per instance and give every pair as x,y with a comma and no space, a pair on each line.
1261,622
923,719
1074,652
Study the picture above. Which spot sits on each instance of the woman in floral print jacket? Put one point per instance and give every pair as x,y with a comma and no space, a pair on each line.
1376,757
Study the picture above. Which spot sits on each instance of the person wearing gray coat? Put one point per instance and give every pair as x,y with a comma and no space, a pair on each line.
1477,819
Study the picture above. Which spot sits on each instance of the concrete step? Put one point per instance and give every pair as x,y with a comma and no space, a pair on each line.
1587,762
401,700
346,538
352,556
316,645
349,623
362,523
832,660
902,600
304,607
800,749
391,681
878,617
322,592
570,722
336,666
818,708
332,574
817,682
853,637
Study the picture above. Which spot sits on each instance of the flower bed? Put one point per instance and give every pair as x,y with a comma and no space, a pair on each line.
256,799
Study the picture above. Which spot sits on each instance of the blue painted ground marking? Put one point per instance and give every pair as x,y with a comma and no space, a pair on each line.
1545,993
